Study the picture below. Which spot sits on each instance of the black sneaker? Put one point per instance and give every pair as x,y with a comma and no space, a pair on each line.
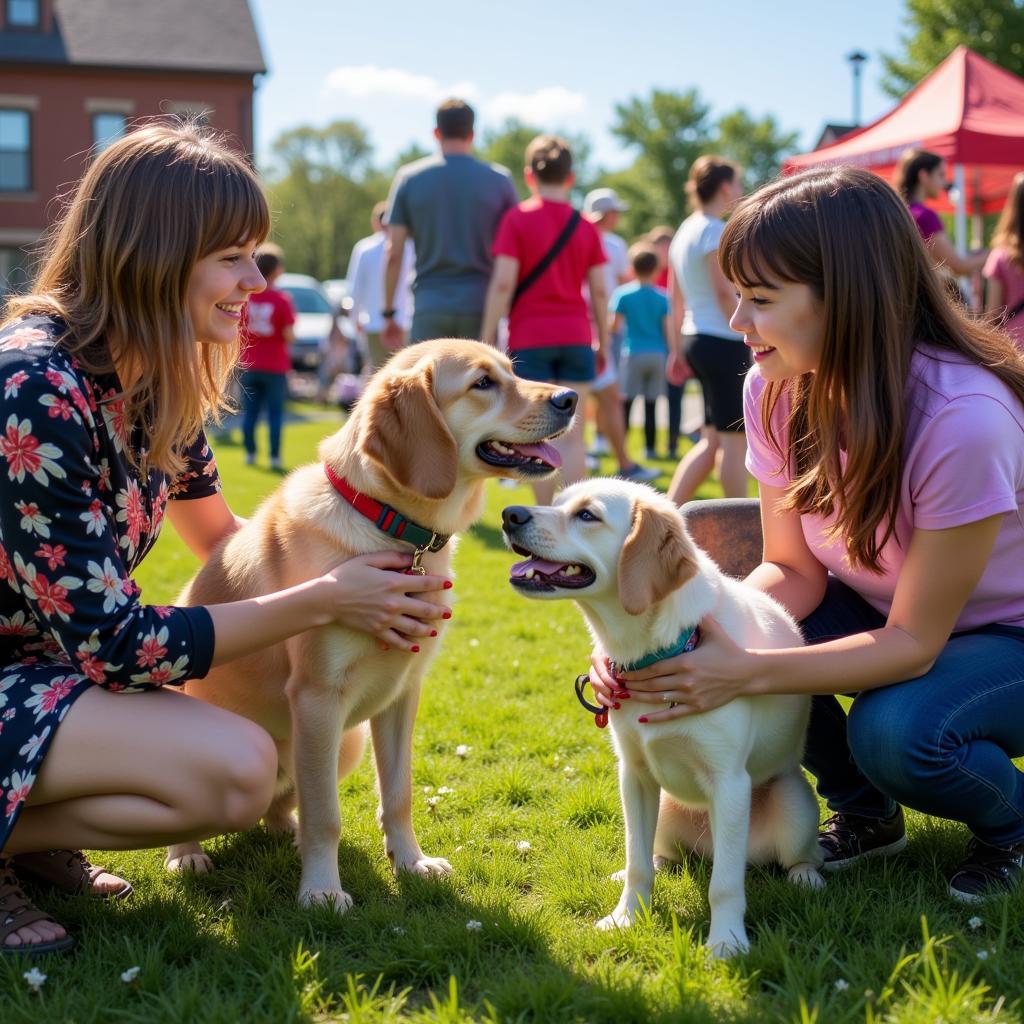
846,839
988,871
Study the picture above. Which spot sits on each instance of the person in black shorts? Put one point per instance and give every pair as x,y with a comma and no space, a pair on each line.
715,352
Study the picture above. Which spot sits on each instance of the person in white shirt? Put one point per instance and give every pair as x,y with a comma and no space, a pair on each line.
715,352
366,279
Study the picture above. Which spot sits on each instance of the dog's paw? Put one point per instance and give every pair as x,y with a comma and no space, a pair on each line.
425,867
195,861
616,919
286,824
336,899
733,945
806,875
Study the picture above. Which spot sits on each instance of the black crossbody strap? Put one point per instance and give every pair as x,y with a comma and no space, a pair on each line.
549,257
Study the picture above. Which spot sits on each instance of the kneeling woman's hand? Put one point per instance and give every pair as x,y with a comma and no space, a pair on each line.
372,594
712,674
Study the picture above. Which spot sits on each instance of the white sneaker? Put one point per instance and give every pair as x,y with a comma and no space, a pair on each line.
250,459
600,446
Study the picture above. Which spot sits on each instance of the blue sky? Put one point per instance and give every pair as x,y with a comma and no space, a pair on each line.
563,64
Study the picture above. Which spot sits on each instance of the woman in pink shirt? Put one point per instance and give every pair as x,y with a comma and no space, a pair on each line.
886,431
1004,268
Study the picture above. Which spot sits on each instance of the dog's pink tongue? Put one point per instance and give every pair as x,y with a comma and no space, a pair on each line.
538,565
548,452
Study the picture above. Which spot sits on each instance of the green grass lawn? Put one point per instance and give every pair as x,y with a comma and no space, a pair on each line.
529,818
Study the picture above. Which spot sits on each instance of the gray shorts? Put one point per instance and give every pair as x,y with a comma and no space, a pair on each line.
427,325
643,373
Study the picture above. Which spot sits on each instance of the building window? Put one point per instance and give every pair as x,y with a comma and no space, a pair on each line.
23,13
15,267
106,128
15,151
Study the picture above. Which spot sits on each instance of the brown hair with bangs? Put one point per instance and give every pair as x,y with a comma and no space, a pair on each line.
846,234
1009,233
116,270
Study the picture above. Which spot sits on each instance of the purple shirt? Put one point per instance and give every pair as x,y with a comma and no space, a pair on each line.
928,221
963,461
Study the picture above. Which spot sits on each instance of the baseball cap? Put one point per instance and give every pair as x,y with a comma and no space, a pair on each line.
603,200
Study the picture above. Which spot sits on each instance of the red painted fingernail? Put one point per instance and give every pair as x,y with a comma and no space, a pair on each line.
642,718
433,632
616,705
447,584
446,615
415,649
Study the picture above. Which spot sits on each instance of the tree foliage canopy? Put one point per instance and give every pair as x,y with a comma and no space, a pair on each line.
323,182
993,28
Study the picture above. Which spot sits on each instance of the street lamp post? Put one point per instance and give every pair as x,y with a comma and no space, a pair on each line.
856,59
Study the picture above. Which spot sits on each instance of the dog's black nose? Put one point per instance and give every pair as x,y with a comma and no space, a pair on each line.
565,401
515,516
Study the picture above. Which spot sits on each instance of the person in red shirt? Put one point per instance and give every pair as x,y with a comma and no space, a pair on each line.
549,335
265,360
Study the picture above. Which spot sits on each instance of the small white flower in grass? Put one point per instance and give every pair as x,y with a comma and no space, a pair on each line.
841,985
35,978
445,791
130,975
975,923
569,771
428,789
462,750
982,954
398,929
523,846
433,801
474,642
474,926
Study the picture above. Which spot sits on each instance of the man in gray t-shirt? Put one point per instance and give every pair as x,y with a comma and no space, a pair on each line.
450,206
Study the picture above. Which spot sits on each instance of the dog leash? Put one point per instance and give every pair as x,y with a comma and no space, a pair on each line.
390,521
686,642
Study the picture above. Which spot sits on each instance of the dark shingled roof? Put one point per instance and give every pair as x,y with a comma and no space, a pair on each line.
180,35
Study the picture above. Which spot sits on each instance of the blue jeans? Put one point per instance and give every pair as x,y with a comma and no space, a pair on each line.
941,744
259,387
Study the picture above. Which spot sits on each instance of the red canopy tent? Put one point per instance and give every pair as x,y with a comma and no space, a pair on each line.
969,111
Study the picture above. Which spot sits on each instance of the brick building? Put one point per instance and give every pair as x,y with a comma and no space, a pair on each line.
74,74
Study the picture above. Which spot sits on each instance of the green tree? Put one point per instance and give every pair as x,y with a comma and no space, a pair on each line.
507,144
323,186
669,130
934,28
758,146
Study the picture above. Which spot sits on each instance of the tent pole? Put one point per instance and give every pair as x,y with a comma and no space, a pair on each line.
960,219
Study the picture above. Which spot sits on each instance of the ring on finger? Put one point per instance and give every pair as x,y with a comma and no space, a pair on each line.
669,701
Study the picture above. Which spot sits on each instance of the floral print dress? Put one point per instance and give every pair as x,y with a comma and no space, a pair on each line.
75,520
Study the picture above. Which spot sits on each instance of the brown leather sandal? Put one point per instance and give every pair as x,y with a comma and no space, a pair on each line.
64,871
17,911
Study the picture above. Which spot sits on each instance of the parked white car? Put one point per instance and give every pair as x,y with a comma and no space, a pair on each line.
314,319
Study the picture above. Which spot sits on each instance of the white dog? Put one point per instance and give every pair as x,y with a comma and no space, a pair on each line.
729,780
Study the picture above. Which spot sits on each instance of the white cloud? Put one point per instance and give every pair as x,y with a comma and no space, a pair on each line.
368,80
543,107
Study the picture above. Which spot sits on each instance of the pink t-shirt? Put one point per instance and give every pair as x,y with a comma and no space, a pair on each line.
1010,275
963,461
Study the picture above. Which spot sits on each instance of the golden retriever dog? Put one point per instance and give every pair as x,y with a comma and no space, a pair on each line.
728,780
433,424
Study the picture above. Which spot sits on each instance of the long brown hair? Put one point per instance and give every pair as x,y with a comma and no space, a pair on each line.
116,270
845,234
1010,228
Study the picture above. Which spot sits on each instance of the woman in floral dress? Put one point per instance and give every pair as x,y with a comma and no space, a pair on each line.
109,369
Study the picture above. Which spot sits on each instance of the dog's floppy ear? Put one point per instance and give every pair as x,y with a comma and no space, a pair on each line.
657,558
407,436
